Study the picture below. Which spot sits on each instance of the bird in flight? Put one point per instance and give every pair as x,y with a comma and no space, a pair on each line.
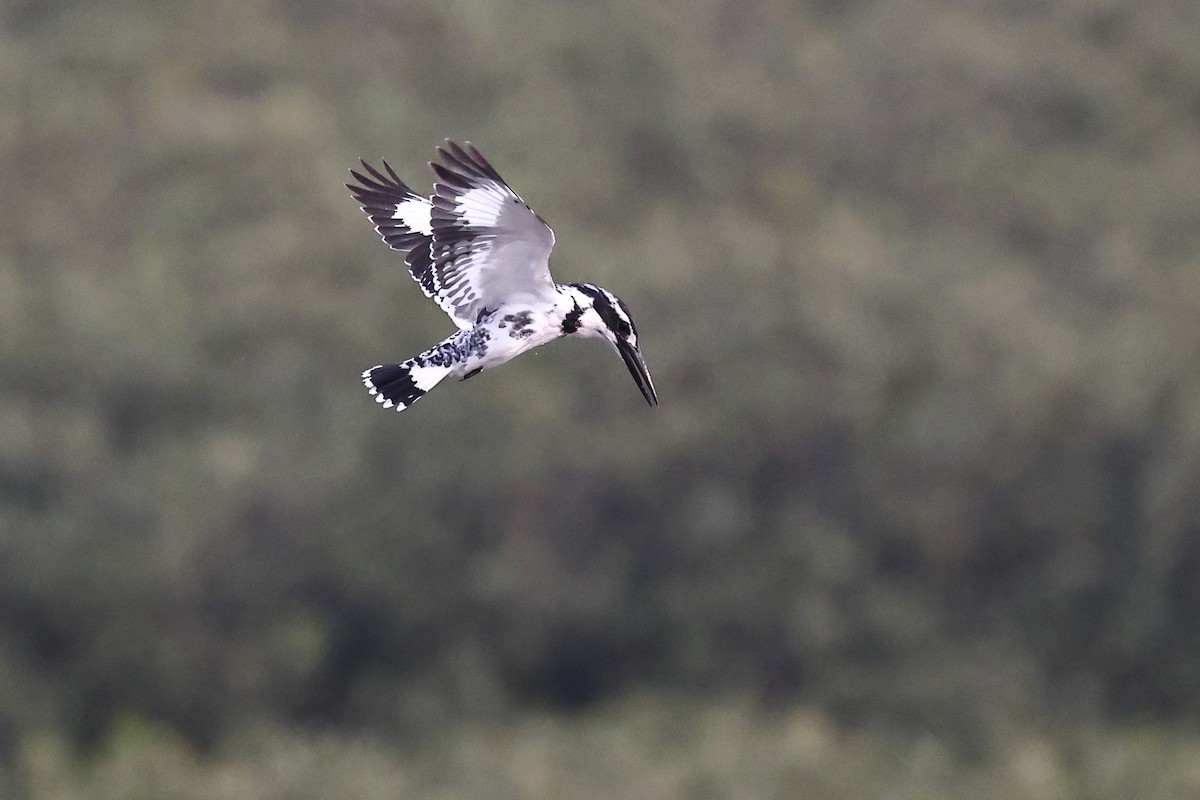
481,253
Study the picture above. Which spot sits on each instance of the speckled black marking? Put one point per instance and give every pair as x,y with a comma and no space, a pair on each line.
570,322
522,324
460,347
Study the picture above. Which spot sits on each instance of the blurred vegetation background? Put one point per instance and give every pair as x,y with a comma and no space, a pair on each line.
918,517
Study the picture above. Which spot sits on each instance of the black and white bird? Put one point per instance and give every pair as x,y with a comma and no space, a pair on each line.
478,251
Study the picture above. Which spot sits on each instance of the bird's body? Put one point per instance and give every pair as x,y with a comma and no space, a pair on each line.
482,254
498,336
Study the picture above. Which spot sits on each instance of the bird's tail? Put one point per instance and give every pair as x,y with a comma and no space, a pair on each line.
401,385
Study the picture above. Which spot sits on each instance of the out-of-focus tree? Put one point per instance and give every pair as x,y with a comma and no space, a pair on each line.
917,282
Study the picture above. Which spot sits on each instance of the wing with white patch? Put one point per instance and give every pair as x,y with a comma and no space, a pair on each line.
402,219
488,245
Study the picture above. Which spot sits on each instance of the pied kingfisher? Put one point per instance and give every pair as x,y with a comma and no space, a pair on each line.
482,254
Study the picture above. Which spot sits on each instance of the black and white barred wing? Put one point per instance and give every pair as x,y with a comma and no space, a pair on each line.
402,219
489,248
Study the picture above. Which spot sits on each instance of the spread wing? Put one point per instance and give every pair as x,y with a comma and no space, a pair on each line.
402,218
488,245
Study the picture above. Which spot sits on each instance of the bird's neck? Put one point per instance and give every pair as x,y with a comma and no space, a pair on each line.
573,304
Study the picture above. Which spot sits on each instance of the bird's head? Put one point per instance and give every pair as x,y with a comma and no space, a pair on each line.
599,312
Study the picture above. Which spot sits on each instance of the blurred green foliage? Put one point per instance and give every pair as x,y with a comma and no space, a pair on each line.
917,281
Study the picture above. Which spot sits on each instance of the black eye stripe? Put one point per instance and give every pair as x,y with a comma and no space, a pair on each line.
607,313
628,316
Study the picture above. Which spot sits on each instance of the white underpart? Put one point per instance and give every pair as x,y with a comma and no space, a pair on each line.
415,215
481,207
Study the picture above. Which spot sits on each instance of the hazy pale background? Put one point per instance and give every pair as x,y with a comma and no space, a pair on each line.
919,283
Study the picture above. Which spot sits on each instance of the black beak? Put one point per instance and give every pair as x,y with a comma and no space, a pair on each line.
637,368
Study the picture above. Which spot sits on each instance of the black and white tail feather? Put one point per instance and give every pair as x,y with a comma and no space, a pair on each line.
481,253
